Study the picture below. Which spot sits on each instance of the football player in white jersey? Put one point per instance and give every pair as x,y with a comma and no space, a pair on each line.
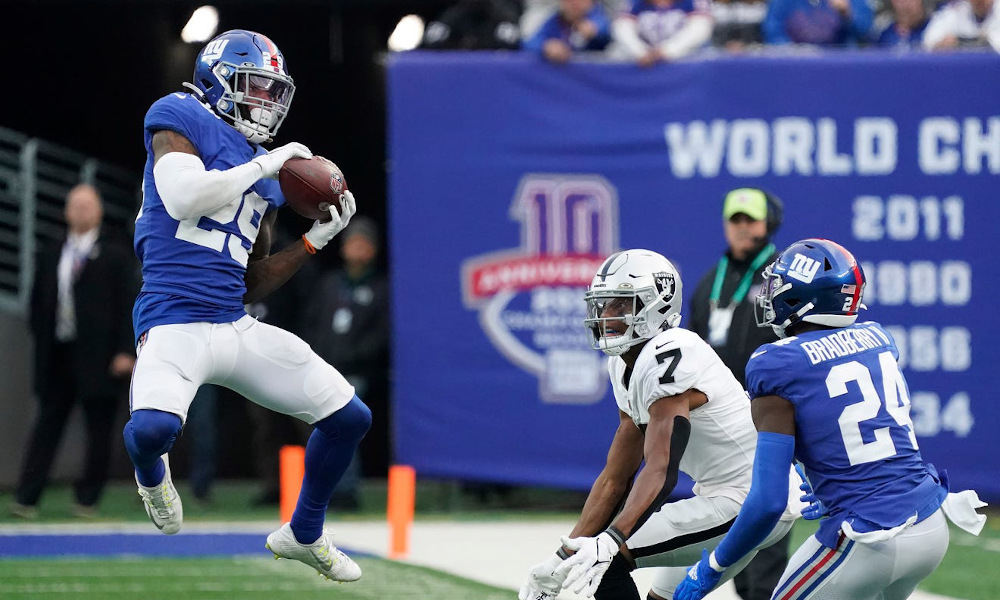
680,409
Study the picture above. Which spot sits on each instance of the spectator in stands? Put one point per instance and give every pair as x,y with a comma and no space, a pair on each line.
578,26
738,24
81,321
722,313
475,25
907,28
964,23
347,324
661,30
537,12
818,22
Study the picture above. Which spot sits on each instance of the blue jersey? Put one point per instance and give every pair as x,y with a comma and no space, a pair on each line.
853,433
658,24
193,270
556,28
913,38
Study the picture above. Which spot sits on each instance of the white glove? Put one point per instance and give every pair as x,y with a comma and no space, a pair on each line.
585,569
542,582
271,162
324,231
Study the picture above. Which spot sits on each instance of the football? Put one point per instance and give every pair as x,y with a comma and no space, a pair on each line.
311,186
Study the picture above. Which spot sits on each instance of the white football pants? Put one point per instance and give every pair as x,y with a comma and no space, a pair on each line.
888,570
674,536
267,365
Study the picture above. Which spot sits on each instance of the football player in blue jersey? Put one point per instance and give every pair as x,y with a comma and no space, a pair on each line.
831,396
203,236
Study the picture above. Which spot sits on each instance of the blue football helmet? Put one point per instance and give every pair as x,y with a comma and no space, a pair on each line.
813,281
242,76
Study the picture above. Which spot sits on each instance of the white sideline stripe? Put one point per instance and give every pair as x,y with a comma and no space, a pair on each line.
989,545
497,553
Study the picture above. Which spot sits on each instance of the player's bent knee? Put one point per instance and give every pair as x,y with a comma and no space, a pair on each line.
152,432
350,423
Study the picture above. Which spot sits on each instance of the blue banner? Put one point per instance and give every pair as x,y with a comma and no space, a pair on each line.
511,179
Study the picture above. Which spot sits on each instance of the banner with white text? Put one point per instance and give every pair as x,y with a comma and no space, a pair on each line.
511,180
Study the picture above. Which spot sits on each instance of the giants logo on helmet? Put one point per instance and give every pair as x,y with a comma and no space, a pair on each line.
803,268
213,51
530,299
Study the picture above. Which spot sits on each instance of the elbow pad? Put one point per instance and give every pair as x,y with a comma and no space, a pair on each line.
189,191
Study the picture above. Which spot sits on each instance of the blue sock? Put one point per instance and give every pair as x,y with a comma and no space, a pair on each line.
148,434
328,452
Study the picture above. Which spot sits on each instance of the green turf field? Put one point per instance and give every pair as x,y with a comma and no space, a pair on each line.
219,578
970,571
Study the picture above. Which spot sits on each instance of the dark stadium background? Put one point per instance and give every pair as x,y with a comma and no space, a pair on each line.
82,74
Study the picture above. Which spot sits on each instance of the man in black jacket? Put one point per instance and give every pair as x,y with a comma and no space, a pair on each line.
722,313
347,323
81,320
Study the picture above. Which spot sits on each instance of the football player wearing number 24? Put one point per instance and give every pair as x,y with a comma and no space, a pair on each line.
203,236
830,395
679,409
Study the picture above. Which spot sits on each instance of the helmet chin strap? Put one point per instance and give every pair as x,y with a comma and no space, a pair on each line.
264,117
196,91
251,134
796,317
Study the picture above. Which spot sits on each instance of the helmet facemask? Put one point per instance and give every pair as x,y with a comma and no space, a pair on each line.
255,101
764,312
621,318
611,318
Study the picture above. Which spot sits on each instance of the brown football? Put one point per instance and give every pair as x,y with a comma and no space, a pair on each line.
311,186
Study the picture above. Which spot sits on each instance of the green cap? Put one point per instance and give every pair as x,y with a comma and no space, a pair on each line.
748,201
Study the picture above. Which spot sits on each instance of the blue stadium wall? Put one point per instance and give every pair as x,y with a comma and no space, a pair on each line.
510,179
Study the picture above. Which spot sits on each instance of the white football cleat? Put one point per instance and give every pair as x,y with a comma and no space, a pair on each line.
162,503
321,555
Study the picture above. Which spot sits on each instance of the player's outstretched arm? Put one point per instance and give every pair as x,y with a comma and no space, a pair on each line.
606,495
612,485
189,191
665,440
775,420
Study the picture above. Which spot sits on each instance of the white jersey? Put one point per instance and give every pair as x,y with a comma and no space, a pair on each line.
720,451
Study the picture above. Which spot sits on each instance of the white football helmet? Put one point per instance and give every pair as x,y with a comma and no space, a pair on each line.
635,295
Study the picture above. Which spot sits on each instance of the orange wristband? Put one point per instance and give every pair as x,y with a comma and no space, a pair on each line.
309,247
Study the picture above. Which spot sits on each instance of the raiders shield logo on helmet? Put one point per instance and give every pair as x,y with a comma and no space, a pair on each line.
665,285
